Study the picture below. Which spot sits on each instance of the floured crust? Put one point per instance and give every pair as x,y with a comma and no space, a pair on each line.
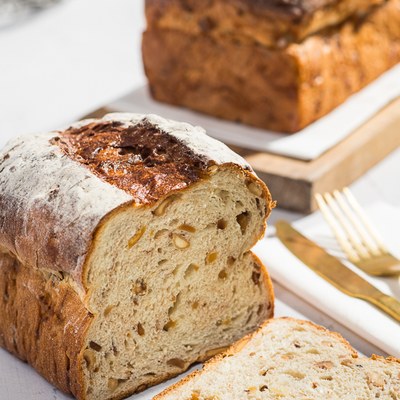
140,157
141,160
40,218
50,205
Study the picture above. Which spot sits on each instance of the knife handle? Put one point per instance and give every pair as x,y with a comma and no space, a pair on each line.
388,304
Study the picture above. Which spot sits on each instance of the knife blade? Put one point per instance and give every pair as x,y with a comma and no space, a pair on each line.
333,271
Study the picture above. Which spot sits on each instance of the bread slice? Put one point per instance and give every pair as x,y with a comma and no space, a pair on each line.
291,359
125,252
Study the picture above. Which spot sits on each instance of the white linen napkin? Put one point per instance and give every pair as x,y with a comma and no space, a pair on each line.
357,315
306,144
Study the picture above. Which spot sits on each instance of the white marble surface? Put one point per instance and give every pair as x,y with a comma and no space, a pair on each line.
80,55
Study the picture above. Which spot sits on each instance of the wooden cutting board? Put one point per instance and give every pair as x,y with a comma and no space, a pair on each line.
293,182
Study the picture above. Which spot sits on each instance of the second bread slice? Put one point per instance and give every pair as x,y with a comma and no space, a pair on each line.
291,359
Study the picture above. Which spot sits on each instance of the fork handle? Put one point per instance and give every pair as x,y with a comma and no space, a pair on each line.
388,304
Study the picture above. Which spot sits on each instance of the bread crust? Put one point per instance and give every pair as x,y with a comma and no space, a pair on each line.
298,9
43,322
241,77
141,159
271,23
270,302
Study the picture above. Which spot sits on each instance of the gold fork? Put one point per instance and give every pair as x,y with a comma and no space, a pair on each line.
356,235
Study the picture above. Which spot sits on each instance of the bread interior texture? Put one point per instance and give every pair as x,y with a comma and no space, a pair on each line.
174,283
292,360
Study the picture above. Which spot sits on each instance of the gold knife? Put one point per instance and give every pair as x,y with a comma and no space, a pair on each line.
333,271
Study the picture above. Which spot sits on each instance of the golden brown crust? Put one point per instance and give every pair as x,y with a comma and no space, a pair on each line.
43,322
140,159
270,302
270,204
273,23
283,89
288,9
236,347
217,78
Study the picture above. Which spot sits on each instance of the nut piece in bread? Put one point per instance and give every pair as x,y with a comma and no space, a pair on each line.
290,359
125,252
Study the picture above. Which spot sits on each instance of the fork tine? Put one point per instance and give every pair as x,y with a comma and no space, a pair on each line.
363,217
340,237
362,252
366,239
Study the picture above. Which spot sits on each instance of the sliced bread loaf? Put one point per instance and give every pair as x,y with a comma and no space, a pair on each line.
124,252
291,359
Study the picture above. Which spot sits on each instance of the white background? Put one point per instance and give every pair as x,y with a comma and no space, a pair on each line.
66,61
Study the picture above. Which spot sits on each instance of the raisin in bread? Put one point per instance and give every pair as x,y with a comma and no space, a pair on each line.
291,359
124,252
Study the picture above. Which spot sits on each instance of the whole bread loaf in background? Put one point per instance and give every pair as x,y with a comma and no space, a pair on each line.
124,252
274,64
292,360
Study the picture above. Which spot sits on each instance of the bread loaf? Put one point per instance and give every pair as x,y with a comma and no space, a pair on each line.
274,64
124,252
291,359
